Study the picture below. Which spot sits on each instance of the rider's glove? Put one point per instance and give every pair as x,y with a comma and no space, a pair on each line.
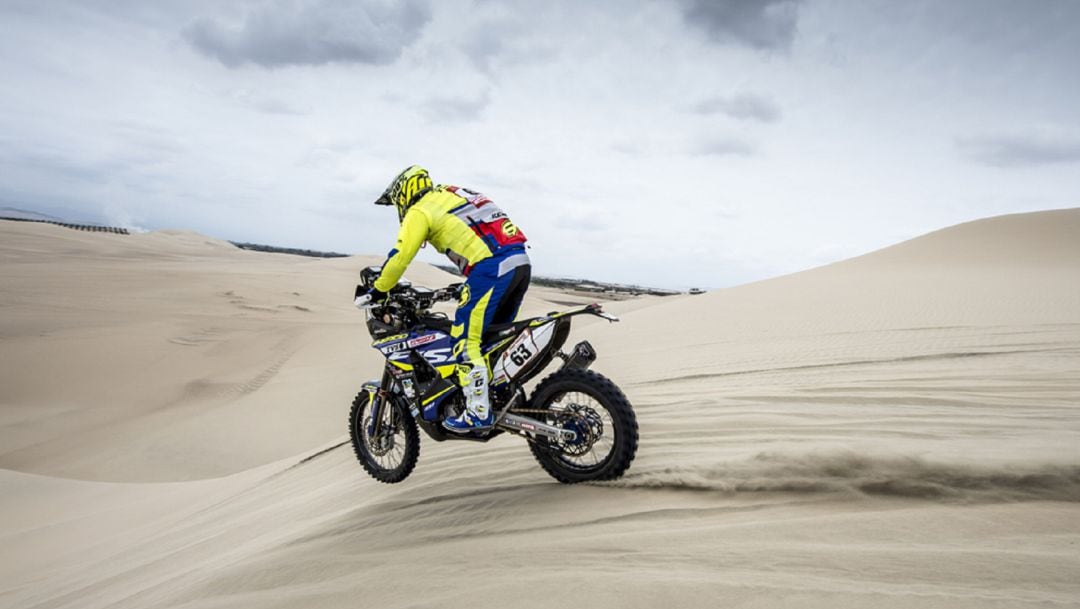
372,297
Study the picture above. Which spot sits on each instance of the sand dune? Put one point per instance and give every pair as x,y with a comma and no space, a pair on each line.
896,430
173,356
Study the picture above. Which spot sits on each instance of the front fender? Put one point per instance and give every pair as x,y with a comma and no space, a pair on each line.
372,388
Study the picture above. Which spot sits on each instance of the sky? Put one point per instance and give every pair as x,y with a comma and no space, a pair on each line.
677,143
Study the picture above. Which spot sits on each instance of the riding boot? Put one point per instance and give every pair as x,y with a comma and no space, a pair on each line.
477,414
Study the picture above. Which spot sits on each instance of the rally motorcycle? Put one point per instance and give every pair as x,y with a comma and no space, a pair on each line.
578,423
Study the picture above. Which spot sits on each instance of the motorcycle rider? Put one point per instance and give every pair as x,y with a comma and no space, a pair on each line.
487,248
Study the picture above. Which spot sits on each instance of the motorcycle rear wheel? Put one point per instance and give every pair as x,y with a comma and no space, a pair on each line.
598,411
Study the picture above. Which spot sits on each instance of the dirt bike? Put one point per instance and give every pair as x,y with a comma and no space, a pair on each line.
578,423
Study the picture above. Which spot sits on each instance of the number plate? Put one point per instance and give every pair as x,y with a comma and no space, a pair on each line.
525,348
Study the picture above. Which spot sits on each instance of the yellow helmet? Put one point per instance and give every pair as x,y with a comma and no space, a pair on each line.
406,190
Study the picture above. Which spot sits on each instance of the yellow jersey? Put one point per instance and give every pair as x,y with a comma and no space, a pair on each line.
465,225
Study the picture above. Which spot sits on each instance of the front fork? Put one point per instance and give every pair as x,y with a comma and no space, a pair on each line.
377,396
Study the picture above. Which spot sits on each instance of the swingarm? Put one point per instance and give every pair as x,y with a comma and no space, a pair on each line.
522,424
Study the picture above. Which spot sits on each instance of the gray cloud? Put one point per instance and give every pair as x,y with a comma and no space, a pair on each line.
457,108
489,39
506,42
745,106
288,32
266,104
59,166
759,24
724,146
1019,150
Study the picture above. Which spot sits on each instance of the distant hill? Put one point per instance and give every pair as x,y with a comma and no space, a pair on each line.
258,247
96,228
14,213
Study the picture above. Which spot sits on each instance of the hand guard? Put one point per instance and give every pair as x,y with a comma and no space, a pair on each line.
369,299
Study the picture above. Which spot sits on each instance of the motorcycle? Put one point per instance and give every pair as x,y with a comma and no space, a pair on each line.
578,423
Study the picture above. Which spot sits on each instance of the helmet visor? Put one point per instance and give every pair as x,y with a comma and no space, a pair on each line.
384,198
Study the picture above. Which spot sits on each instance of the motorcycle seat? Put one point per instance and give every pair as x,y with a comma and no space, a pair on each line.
491,333
499,331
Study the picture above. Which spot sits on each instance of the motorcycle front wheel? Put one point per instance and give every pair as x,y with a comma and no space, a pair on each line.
388,454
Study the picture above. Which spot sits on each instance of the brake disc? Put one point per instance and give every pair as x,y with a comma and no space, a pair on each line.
585,423
382,444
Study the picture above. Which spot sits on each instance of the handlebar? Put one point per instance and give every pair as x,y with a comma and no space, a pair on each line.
404,306
415,298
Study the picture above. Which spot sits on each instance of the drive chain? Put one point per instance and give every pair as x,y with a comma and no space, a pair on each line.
530,411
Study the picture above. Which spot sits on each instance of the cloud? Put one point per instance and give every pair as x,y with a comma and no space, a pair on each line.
61,166
630,147
456,108
723,146
292,32
581,222
490,38
266,104
759,24
745,107
507,41
1020,150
